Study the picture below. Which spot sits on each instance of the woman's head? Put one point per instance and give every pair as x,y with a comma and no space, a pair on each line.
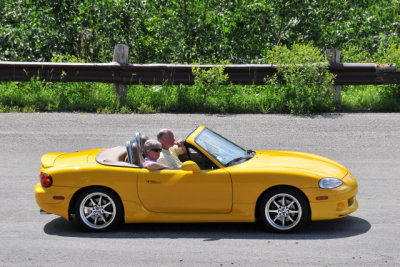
152,149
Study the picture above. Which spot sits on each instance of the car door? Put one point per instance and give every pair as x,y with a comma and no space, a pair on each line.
179,191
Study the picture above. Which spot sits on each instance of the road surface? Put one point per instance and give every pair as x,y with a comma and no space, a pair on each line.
368,144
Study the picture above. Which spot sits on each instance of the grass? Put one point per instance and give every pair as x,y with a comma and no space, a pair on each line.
100,98
307,89
383,98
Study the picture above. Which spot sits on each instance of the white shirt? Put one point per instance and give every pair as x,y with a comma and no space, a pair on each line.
170,158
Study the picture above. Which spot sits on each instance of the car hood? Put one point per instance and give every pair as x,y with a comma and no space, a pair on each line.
295,161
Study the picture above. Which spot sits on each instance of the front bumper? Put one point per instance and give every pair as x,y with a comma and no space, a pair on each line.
340,201
333,209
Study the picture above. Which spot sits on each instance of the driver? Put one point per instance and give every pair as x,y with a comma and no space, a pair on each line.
170,149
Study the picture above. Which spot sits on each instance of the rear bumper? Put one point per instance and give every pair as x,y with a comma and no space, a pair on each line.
45,198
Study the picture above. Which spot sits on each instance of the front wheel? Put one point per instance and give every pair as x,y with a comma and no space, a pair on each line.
98,209
284,210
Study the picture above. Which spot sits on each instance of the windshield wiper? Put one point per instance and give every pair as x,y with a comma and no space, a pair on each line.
237,160
251,152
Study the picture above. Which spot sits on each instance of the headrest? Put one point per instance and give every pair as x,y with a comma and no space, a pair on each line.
140,140
137,154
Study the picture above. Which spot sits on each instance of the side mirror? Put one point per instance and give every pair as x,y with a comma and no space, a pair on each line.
190,166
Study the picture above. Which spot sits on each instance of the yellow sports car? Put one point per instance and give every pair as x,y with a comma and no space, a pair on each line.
218,182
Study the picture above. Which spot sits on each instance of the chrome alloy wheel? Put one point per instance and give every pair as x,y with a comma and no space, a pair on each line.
283,211
97,210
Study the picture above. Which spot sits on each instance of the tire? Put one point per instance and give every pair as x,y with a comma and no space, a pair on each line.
98,209
284,210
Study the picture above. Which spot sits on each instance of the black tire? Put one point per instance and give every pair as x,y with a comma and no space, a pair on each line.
284,210
98,209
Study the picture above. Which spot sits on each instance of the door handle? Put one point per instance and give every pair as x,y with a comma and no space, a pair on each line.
153,182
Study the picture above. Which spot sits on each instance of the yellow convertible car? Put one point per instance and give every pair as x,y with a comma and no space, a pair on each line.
218,182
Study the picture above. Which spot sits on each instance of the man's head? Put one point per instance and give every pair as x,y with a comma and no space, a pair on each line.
152,149
166,138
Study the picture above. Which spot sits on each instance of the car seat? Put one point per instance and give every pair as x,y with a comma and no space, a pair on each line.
134,148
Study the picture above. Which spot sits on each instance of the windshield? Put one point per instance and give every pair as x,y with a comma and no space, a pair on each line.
226,152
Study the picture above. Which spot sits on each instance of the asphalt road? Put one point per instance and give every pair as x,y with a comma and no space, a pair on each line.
367,144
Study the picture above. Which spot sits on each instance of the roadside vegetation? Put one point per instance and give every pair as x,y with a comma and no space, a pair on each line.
215,32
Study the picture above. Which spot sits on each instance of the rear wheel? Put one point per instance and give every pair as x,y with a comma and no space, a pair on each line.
98,209
284,210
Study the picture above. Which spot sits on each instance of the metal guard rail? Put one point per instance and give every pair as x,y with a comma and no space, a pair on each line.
346,73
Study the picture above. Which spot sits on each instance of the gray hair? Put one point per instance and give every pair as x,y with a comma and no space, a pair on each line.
162,133
150,144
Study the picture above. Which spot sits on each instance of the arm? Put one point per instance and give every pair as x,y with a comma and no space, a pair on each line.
155,166
179,147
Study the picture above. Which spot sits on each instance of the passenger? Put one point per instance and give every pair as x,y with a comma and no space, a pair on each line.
170,149
152,149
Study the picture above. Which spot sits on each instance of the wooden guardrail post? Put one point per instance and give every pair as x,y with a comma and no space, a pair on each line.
120,56
333,55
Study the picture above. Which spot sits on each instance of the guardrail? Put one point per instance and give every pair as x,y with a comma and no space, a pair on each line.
346,73
121,73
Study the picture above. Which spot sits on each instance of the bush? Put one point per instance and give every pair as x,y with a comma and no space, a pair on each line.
303,83
370,97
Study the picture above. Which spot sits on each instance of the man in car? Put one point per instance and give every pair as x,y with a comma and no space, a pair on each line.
170,149
152,150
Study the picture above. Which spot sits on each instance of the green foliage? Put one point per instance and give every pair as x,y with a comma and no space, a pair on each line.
41,96
188,31
211,91
307,83
372,98
298,88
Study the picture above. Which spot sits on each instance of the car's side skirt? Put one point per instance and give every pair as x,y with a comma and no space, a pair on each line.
135,213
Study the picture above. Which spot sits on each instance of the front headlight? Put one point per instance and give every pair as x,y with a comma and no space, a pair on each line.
330,182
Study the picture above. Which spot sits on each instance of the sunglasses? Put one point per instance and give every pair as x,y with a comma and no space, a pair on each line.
156,149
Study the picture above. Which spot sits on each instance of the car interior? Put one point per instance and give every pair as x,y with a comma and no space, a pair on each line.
132,155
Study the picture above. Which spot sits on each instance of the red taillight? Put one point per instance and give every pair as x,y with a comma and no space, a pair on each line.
45,179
